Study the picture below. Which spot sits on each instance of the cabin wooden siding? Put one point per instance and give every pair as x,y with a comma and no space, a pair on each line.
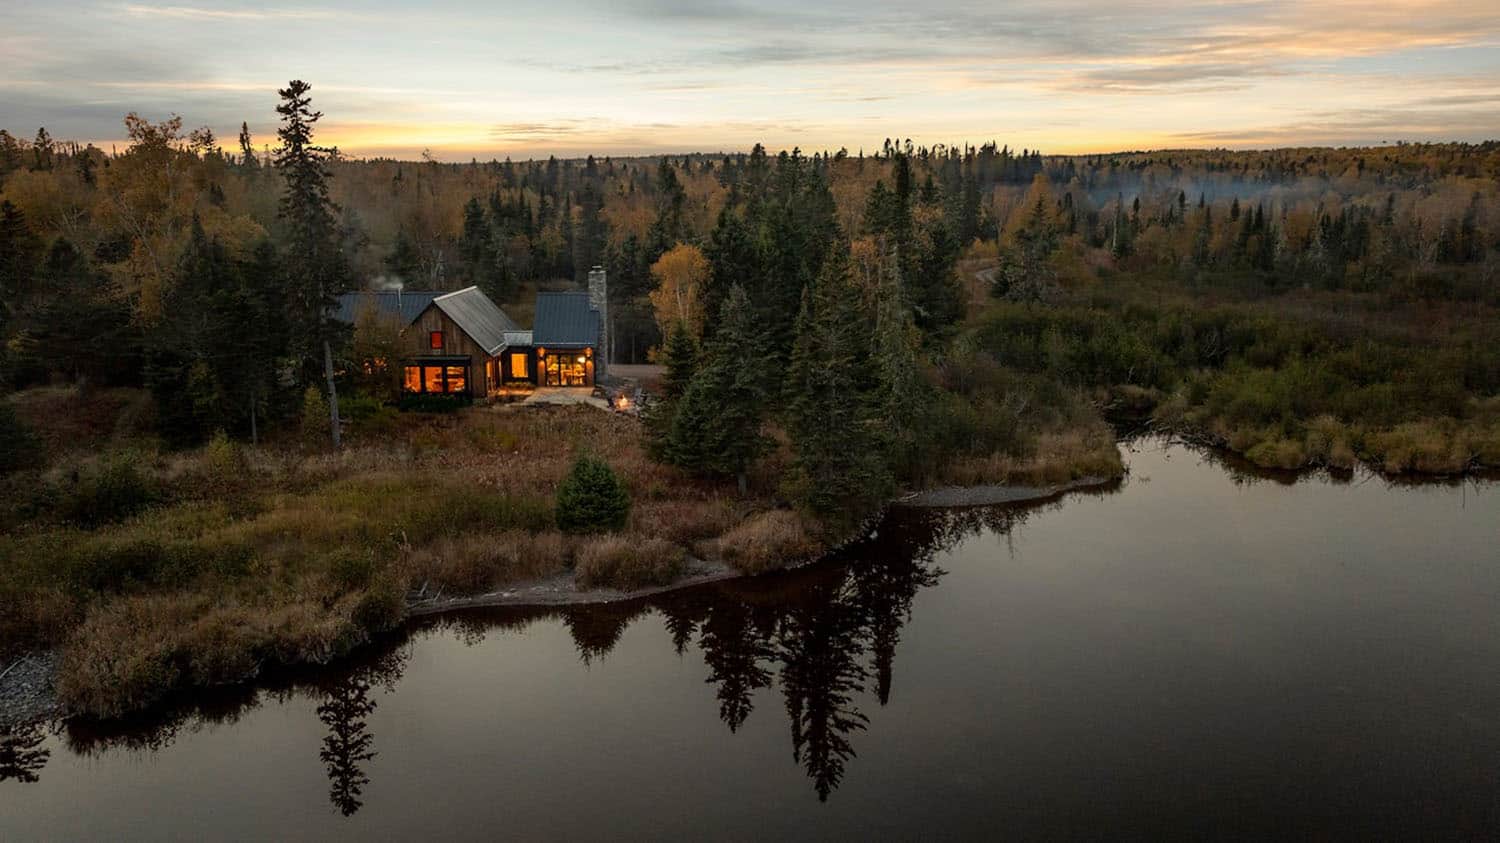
456,343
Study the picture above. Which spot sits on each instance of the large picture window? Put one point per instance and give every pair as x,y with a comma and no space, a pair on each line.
518,370
437,378
566,369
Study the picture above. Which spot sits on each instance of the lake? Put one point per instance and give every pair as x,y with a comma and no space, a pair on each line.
1200,650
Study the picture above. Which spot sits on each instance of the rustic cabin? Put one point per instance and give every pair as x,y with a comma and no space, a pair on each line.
455,345
462,344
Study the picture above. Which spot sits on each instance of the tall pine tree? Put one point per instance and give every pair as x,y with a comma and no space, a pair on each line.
717,427
833,417
316,272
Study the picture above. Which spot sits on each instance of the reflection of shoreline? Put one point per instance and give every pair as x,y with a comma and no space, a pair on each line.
1243,470
967,496
824,637
559,591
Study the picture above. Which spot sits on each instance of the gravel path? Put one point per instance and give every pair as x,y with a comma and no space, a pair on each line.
26,694
560,591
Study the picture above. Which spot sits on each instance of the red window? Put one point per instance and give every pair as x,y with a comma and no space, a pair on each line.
435,340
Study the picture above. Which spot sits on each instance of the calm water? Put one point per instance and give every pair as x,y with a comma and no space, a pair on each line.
1199,651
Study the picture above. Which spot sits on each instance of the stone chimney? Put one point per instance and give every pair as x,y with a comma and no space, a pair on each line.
599,300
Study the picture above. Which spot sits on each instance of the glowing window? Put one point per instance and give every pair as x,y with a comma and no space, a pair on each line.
413,378
435,340
458,378
432,378
518,365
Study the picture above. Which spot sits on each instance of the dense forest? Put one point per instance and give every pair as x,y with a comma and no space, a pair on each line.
833,329
178,263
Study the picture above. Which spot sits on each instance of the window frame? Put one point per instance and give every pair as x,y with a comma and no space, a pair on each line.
443,378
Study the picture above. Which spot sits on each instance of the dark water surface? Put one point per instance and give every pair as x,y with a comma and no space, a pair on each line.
1198,652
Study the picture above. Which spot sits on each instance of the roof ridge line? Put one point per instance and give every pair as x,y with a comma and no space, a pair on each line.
456,292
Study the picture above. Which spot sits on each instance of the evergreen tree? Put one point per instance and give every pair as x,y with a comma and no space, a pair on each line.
669,228
834,424
41,150
403,262
1026,272
592,233
10,153
733,260
475,248
247,149
80,329
680,357
936,293
592,498
316,270
716,429
213,365
901,396
19,251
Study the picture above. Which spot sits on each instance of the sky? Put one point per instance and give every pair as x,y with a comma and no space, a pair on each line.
617,77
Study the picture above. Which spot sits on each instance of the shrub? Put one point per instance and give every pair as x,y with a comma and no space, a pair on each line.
627,562
368,417
19,446
114,562
113,489
592,499
314,418
768,541
433,403
683,521
475,562
380,607
351,569
1286,454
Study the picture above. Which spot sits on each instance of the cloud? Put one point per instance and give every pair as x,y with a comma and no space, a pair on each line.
203,14
541,131
681,73
1414,121
1135,78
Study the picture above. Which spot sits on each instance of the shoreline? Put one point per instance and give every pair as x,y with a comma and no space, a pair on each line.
26,688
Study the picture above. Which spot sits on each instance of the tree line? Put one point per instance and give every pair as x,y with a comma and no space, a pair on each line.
139,266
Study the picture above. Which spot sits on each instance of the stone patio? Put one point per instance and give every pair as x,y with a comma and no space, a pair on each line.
566,395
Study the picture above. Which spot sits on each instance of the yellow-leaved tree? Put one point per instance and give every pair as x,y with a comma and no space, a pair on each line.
681,274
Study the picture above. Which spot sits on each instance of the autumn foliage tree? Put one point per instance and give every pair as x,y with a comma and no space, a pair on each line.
681,275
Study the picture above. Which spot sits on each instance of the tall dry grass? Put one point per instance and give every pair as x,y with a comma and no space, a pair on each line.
1057,457
627,562
769,541
250,556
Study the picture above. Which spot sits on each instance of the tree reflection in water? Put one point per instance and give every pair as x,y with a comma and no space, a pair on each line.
825,635
345,710
22,756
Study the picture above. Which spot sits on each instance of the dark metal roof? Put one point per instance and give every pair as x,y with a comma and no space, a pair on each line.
406,305
480,318
565,319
